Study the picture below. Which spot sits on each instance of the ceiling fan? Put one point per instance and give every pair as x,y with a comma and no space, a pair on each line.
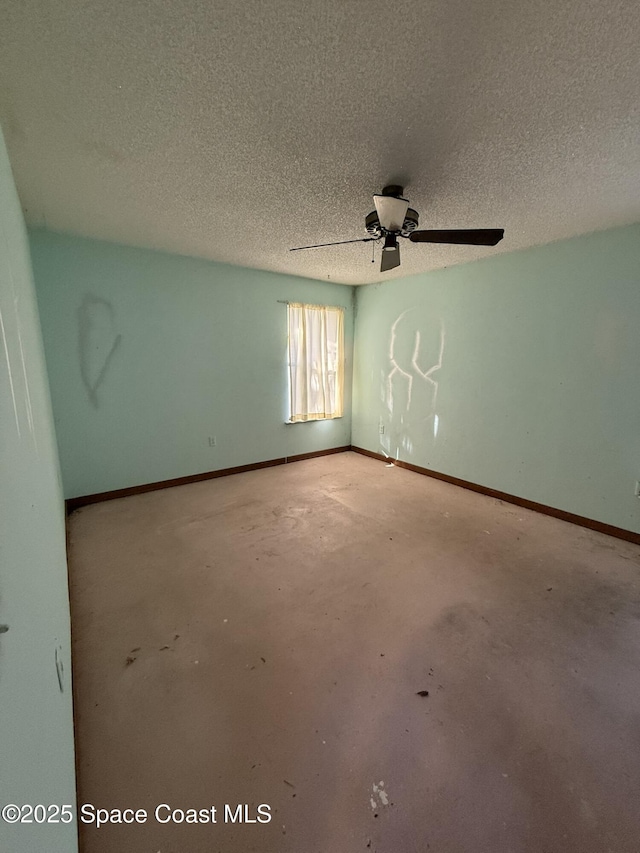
393,218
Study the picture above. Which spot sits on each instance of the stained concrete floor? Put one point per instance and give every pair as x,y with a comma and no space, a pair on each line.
262,638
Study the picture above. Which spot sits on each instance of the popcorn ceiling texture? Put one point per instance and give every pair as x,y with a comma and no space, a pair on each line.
234,131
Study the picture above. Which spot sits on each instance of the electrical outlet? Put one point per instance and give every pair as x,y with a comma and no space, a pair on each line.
637,489
212,441
381,429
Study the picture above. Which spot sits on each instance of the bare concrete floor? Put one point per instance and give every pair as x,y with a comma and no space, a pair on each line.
260,639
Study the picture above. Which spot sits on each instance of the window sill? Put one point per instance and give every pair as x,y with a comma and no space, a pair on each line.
313,420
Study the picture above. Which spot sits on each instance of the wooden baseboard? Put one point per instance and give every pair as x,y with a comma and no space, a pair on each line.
72,504
592,524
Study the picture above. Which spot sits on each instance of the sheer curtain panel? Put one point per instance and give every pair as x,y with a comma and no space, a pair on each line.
316,362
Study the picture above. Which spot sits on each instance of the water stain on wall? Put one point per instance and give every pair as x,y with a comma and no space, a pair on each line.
98,341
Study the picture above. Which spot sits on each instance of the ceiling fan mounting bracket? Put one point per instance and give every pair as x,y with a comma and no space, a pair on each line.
393,190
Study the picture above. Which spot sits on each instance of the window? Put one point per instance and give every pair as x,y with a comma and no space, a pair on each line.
316,362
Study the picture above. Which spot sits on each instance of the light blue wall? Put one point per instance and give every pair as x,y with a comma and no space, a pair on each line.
36,721
149,354
538,392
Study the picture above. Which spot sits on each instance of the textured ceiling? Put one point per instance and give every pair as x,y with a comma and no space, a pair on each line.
236,130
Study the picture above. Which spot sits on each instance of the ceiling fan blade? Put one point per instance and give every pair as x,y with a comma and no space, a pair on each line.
391,211
339,243
463,237
390,259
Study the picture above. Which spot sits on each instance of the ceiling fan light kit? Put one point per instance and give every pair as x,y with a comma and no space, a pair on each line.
391,211
393,218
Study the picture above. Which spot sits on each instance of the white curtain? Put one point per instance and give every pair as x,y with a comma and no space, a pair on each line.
316,362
